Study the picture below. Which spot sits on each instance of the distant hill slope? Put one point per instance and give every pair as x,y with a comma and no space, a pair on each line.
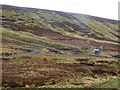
71,28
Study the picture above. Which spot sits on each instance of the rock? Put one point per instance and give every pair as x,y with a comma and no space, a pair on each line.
27,86
87,86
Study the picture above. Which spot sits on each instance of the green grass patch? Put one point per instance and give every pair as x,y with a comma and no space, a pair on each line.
112,83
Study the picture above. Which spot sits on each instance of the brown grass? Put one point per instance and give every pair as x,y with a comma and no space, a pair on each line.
43,72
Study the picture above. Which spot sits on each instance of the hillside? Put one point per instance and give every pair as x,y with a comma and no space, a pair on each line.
54,49
61,28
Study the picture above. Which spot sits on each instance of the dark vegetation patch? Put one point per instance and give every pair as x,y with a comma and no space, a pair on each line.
115,35
3,58
109,62
6,54
117,56
83,59
102,70
8,20
74,26
59,24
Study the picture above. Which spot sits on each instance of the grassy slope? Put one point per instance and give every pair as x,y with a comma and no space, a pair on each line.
60,27
75,25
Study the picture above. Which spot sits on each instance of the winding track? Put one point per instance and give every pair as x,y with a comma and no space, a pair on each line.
39,49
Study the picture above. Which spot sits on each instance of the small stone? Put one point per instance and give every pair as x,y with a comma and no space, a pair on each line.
87,86
27,86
